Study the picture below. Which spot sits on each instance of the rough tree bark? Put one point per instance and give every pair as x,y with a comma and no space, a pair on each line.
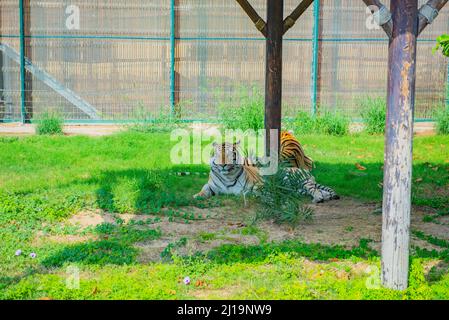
398,145
273,76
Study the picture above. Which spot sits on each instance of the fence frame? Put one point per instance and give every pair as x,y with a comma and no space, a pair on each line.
25,50
315,55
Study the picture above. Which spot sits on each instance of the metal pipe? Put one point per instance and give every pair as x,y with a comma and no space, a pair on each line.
315,53
22,61
447,87
172,56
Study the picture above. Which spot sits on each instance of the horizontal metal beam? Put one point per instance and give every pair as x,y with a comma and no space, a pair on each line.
294,16
50,81
254,16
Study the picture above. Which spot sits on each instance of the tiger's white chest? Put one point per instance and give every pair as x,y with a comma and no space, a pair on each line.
232,182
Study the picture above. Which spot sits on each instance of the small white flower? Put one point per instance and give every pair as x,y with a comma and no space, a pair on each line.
187,281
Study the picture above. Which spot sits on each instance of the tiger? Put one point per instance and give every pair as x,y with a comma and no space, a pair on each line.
231,173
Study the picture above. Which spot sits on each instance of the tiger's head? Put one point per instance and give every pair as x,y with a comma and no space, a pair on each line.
226,156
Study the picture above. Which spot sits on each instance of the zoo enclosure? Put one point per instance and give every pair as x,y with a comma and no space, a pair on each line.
133,59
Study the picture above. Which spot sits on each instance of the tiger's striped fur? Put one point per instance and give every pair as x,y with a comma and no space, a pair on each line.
232,174
292,152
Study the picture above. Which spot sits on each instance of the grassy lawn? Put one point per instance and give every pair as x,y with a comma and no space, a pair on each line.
45,181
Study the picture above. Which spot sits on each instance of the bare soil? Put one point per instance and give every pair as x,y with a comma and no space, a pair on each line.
19,129
344,222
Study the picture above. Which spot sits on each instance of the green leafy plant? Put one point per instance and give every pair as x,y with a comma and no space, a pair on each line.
169,251
278,198
329,123
161,121
333,123
374,112
304,123
418,287
244,112
442,120
442,44
49,123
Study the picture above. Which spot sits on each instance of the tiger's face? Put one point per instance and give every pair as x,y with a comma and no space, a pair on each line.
226,155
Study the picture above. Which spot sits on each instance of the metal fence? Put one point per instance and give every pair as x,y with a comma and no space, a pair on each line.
131,59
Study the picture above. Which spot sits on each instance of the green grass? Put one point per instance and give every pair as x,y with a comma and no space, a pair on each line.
374,112
49,123
46,179
327,123
281,276
442,120
244,112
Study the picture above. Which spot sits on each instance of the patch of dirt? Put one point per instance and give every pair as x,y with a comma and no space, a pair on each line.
443,220
220,294
64,239
85,219
342,222
223,226
93,130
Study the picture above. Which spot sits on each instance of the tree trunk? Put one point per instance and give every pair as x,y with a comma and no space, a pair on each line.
273,78
398,145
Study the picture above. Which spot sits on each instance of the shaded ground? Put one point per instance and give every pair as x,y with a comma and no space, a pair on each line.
343,222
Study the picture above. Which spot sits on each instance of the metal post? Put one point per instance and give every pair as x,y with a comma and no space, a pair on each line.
398,145
22,61
202,59
26,79
2,85
273,76
447,87
172,56
336,24
315,57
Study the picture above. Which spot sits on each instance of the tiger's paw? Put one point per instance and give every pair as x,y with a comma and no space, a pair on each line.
200,195
321,196
324,196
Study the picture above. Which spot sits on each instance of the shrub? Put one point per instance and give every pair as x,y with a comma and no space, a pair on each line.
162,121
442,44
304,123
49,123
442,120
418,287
330,123
278,199
374,112
245,112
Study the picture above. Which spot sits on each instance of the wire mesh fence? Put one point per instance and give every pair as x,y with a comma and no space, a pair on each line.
115,60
